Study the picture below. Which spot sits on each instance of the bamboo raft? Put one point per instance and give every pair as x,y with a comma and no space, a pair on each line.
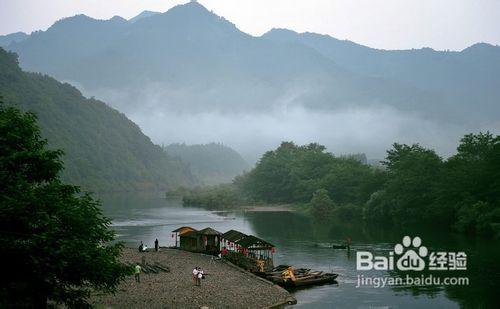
286,276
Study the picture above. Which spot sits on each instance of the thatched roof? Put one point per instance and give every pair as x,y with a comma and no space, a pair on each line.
233,235
182,228
209,231
252,241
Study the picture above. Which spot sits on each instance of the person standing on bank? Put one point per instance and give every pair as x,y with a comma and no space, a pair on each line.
200,276
137,273
195,276
157,245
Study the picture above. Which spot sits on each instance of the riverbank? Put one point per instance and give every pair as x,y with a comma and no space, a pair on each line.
225,285
269,208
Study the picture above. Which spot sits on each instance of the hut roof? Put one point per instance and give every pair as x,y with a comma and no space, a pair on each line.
233,235
182,228
252,241
209,231
190,234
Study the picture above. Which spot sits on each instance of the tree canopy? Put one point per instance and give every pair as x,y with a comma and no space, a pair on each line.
211,163
55,241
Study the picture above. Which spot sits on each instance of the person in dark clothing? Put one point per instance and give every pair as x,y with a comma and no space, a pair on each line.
157,245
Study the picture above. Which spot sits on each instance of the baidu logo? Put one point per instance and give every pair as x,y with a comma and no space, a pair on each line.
411,255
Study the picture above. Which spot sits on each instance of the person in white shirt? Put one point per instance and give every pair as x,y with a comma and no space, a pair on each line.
200,276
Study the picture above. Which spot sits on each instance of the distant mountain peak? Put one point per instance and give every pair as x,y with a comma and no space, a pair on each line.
143,14
117,18
481,47
191,16
192,8
281,30
5,40
81,21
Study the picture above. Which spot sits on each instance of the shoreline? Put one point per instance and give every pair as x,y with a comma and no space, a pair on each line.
226,285
269,208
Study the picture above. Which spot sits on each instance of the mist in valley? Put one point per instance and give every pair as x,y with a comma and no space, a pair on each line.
370,130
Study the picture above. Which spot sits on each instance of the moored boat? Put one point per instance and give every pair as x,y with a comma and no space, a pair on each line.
339,246
327,278
286,276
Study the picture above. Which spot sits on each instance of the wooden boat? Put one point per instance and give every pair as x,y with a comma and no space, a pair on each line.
331,246
328,278
316,280
303,277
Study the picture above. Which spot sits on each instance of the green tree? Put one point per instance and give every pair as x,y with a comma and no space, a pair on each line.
321,204
471,185
413,174
55,241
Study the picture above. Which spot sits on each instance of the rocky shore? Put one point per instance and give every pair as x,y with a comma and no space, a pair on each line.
225,285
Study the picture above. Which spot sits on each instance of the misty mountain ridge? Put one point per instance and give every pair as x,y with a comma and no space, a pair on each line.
466,76
188,74
211,163
201,56
103,150
143,14
6,40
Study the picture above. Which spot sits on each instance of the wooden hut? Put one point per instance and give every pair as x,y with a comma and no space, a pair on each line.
206,241
181,231
257,249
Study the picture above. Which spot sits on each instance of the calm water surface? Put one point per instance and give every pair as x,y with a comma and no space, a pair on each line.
302,243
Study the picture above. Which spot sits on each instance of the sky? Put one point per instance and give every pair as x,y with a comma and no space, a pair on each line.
386,24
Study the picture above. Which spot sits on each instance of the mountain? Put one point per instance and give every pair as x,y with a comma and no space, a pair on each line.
5,40
212,163
194,60
467,79
104,151
190,75
142,15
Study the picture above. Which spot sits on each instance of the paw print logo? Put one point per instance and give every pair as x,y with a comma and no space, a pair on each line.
414,252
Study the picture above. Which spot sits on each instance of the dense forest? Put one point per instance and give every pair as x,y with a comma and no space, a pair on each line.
211,163
415,186
104,151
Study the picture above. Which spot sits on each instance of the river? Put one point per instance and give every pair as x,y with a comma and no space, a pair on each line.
303,243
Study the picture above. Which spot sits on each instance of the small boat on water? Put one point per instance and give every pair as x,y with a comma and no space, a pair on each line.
339,246
331,246
326,278
286,276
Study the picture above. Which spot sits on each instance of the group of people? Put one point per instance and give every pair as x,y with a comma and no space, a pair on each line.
198,273
197,276
144,248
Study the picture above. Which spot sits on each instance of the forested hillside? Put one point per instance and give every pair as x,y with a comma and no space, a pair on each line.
416,187
211,163
104,151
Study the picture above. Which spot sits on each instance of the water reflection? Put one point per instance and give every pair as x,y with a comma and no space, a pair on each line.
304,243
